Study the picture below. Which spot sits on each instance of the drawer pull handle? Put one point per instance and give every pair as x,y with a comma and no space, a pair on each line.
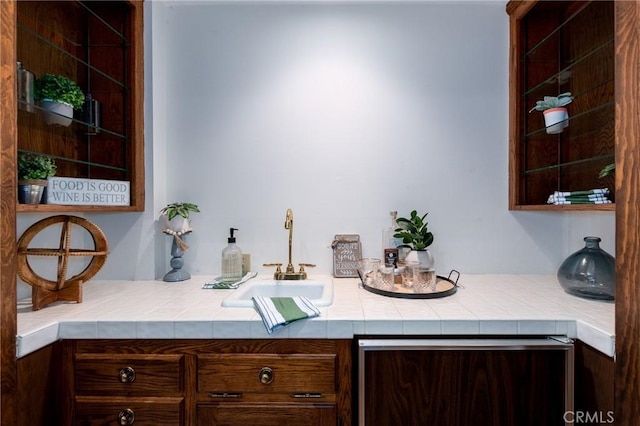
307,395
266,375
127,375
226,395
126,417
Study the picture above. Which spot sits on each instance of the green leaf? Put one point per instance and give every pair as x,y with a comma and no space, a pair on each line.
179,209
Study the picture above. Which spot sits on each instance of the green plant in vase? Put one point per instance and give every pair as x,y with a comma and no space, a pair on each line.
177,216
556,116
33,171
58,96
416,236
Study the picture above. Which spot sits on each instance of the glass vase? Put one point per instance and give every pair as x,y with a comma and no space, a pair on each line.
589,272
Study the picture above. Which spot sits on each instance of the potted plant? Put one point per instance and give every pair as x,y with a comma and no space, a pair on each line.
33,171
556,117
176,222
415,235
58,95
176,217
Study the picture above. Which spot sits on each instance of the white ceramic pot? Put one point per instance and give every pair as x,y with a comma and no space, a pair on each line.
425,257
57,113
555,120
178,224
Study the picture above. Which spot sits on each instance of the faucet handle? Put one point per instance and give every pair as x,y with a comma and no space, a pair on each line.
277,265
308,265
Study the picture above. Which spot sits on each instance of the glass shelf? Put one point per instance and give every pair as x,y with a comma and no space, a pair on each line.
80,124
98,45
562,46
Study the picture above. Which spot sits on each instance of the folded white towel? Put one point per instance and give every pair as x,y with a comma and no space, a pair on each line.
277,312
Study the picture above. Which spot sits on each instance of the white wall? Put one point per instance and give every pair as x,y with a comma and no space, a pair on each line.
342,112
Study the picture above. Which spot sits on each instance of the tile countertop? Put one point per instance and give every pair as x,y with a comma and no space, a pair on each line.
483,305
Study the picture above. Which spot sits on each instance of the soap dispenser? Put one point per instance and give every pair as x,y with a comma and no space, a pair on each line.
231,260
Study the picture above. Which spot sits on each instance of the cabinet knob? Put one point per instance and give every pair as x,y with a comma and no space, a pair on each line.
127,375
265,375
126,417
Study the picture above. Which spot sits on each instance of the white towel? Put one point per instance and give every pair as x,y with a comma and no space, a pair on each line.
277,312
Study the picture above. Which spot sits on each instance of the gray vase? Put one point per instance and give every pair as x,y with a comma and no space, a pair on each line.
589,272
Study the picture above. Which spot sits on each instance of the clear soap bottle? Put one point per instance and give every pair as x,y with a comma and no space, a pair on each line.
231,260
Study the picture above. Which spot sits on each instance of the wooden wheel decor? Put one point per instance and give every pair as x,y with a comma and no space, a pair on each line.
45,291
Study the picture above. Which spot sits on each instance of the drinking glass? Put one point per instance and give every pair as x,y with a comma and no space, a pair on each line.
368,268
386,278
424,279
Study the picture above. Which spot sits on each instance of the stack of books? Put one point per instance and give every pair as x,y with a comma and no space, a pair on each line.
590,196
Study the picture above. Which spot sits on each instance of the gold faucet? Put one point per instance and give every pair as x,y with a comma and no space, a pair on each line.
290,272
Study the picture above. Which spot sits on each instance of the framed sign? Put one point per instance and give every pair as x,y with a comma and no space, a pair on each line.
347,251
91,192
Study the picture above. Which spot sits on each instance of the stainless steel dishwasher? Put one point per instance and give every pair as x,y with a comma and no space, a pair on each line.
465,381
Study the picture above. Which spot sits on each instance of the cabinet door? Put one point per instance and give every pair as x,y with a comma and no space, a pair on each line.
268,415
465,386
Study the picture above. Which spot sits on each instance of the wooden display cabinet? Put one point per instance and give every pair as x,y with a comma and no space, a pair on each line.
99,46
557,47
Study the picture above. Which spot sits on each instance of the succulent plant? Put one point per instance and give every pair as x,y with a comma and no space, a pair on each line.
414,232
553,102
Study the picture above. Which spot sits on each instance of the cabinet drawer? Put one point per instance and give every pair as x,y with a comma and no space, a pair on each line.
267,415
109,374
312,373
136,410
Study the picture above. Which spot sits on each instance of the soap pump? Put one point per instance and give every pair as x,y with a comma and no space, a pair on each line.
231,260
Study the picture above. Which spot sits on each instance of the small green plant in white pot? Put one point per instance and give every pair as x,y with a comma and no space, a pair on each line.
556,117
58,96
176,217
415,235
33,171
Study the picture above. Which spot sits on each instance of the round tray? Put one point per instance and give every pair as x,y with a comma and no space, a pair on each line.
445,286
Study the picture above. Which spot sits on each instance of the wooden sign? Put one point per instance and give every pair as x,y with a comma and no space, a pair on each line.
91,192
347,251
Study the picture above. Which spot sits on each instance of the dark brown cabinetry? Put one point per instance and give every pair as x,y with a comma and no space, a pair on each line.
268,389
213,382
98,45
217,382
558,47
465,381
147,389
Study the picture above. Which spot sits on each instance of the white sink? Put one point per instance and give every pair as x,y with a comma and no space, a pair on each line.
319,292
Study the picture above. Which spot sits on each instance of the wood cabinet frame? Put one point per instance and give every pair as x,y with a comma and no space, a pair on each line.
627,369
543,172
118,53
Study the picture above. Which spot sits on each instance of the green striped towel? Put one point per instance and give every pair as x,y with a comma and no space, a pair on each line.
218,284
277,312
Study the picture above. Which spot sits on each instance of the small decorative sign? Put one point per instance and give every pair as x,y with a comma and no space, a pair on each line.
93,192
347,251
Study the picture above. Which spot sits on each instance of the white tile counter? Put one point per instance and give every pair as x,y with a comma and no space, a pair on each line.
483,305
